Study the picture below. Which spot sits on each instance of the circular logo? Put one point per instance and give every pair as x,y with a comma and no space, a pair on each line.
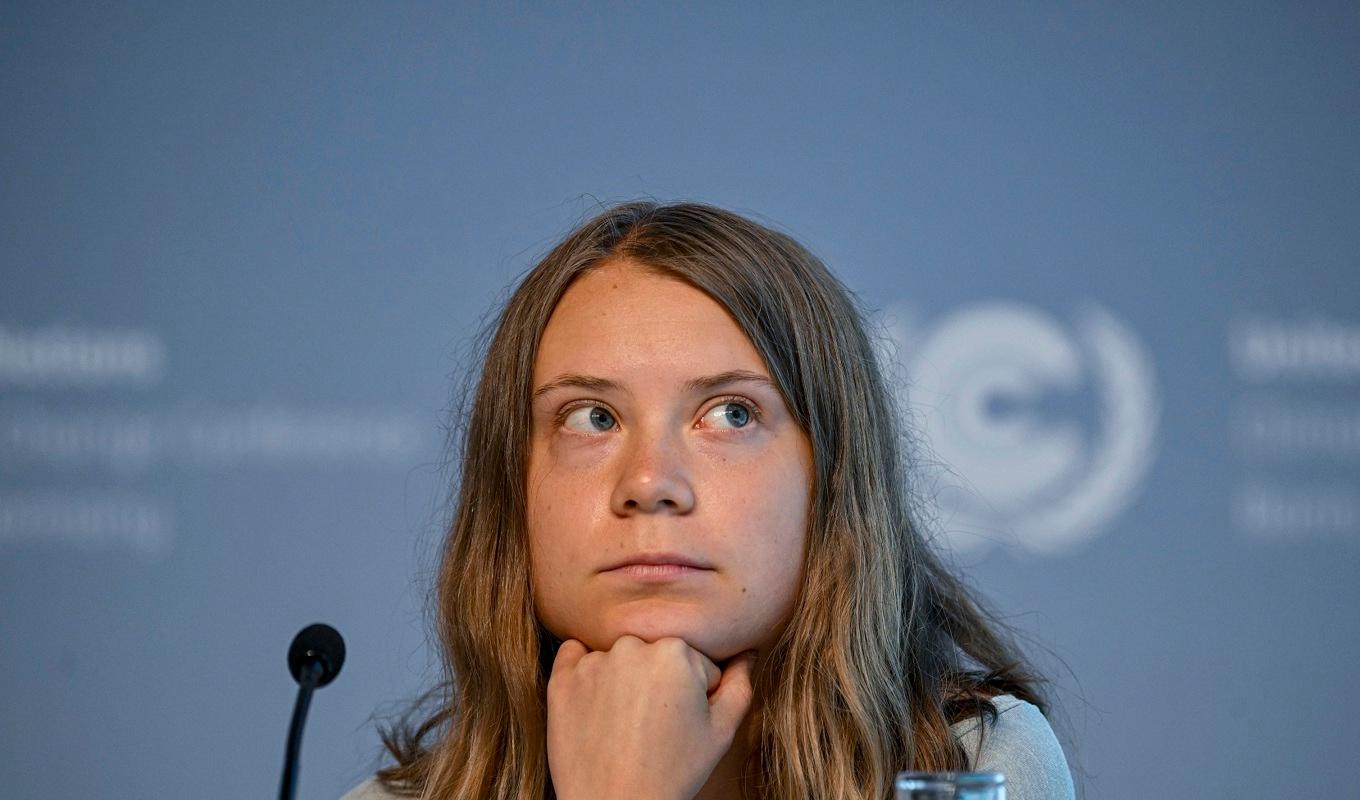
1050,428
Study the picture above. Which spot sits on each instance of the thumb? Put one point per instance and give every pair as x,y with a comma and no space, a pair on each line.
568,654
728,704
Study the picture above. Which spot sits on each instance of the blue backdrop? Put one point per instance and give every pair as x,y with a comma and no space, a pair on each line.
1112,249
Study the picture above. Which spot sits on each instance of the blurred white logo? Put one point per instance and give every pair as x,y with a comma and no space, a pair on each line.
1052,428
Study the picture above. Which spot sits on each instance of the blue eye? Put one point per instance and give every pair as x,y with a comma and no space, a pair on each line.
732,415
589,419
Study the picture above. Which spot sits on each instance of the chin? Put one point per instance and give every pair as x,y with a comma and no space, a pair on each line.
651,625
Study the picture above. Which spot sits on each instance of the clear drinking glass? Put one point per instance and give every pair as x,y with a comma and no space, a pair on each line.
950,786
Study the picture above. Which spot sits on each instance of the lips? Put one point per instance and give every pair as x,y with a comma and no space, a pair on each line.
658,559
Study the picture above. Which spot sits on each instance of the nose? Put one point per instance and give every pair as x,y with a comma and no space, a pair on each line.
652,479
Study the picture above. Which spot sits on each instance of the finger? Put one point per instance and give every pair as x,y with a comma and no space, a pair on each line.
712,675
727,706
626,643
568,654
696,659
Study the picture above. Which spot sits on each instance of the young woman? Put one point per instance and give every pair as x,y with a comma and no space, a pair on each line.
683,562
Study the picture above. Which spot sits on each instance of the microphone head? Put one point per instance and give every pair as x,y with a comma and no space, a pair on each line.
320,643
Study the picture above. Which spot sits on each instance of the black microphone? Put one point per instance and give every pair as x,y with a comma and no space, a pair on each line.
314,658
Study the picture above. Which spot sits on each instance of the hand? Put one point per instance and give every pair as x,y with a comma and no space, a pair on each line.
640,719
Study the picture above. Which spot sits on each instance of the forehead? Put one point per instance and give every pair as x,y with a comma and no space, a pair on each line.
622,319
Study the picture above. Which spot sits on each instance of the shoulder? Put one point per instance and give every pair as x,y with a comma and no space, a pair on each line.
1020,744
370,790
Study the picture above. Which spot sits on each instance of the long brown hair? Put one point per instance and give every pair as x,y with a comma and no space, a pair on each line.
885,647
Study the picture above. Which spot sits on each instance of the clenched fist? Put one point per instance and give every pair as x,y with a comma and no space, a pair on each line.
641,719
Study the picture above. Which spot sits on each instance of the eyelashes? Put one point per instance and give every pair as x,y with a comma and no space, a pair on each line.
753,412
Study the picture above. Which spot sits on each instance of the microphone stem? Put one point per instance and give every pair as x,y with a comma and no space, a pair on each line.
311,673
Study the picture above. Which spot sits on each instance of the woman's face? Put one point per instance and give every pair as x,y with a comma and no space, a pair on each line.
658,435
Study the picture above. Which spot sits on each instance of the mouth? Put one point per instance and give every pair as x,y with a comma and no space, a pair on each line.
656,573
658,565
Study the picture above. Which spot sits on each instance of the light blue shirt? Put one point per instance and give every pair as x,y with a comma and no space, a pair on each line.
1019,745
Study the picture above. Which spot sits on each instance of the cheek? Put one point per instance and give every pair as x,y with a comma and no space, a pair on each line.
550,545
766,513
776,488
559,514
548,569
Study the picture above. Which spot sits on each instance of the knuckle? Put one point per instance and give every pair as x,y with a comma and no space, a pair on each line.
673,645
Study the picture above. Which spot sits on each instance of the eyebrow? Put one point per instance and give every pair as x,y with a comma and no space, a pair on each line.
704,383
